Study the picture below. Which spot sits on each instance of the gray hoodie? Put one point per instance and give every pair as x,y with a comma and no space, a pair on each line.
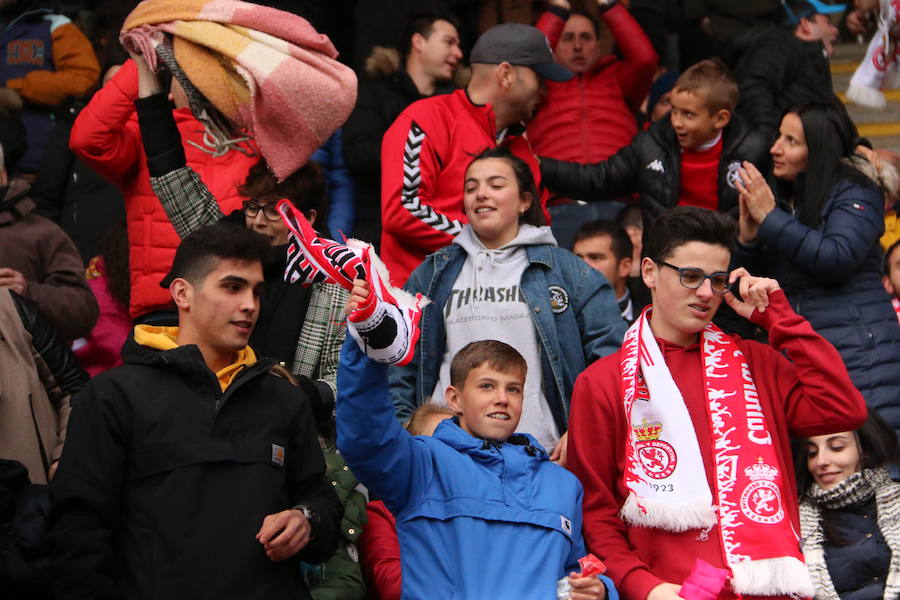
486,303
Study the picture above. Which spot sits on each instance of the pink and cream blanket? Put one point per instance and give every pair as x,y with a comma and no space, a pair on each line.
267,71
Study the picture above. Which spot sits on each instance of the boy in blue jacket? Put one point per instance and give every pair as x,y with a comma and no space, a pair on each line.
481,512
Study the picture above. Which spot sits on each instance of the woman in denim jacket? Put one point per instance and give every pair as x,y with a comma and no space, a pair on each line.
504,278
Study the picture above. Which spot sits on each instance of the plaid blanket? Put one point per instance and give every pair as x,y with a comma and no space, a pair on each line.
270,73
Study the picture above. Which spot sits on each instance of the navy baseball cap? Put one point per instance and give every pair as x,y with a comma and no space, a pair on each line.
521,45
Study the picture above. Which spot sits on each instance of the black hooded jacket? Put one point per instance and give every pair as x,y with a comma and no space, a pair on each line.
778,71
165,481
651,167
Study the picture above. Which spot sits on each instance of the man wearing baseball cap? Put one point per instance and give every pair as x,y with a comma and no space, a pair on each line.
424,154
783,67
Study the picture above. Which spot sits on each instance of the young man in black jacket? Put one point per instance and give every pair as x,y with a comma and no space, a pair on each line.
691,158
423,66
191,471
780,68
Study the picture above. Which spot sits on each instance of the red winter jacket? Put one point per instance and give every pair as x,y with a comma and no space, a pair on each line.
591,116
424,156
106,136
379,550
812,395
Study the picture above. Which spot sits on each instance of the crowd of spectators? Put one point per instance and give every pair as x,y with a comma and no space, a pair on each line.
654,271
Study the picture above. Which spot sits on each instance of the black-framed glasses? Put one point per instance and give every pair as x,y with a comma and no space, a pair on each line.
692,278
270,210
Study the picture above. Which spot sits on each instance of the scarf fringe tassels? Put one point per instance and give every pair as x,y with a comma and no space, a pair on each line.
772,577
675,518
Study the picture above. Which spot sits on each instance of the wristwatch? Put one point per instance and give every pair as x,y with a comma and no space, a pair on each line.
311,516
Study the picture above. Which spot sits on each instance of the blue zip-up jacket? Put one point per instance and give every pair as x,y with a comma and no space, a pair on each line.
572,306
474,519
832,277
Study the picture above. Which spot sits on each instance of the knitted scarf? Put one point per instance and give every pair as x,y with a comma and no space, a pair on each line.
665,473
857,488
267,71
880,67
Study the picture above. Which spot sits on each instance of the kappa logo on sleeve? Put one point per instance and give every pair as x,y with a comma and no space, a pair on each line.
656,165
278,455
566,524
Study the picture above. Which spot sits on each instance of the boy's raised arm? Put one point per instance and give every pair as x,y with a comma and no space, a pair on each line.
379,451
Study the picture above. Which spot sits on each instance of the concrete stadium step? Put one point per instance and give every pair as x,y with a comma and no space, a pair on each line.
881,126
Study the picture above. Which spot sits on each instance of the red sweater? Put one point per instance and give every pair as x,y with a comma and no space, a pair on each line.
424,157
811,396
379,551
700,177
591,116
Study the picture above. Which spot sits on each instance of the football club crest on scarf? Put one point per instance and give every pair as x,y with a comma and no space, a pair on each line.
657,456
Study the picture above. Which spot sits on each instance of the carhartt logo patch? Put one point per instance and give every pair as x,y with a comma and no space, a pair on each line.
566,524
656,165
278,455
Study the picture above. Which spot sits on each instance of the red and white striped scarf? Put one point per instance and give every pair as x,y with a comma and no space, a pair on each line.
665,474
387,325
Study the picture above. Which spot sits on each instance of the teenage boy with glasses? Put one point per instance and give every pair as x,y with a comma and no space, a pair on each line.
681,438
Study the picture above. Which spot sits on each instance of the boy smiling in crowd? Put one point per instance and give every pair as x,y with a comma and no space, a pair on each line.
689,159
682,437
481,511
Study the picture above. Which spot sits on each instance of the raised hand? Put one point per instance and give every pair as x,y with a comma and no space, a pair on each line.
358,295
754,291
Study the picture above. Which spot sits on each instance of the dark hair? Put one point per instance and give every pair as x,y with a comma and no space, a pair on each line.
13,141
830,136
620,242
795,10
713,78
305,187
115,260
200,251
631,215
887,258
684,224
417,419
497,355
534,215
877,448
594,21
106,23
423,23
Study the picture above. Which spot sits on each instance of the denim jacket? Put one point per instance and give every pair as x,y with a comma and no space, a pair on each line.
568,301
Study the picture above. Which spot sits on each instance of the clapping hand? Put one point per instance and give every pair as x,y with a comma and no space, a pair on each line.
756,201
